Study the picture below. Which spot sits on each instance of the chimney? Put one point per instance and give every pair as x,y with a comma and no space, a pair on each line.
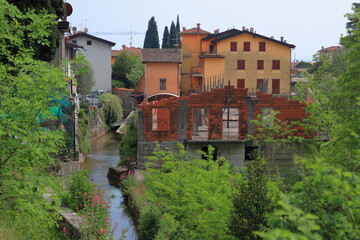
252,29
184,28
86,30
243,28
123,46
216,31
282,38
272,37
74,29
198,27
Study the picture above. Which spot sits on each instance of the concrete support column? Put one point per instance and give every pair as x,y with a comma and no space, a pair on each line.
251,114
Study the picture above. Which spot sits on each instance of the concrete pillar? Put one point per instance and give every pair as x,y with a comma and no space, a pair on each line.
182,120
251,114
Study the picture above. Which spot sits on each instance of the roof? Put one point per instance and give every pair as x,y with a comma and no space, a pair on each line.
235,32
329,49
134,50
83,34
157,55
211,56
194,31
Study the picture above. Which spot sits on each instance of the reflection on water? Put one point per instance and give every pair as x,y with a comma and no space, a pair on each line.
104,154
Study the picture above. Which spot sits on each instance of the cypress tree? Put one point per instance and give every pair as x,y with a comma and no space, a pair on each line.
172,37
152,35
177,28
165,40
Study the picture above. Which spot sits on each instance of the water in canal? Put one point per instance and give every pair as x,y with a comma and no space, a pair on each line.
104,154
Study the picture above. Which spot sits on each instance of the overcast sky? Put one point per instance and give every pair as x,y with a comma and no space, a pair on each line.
308,24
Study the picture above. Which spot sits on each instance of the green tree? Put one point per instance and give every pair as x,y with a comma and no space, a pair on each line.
84,75
303,64
55,7
152,35
254,197
111,108
172,36
177,27
127,70
165,40
27,88
128,144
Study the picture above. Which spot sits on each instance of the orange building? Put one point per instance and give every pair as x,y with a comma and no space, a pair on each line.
245,58
162,73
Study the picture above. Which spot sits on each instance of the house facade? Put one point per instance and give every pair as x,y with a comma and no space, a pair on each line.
245,58
162,73
98,52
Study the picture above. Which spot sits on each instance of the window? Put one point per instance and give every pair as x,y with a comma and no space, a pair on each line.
276,64
260,64
233,46
88,42
241,64
262,46
211,48
241,83
160,119
275,86
162,84
246,46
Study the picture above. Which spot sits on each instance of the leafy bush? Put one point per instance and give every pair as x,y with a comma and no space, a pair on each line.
84,131
128,144
149,223
111,108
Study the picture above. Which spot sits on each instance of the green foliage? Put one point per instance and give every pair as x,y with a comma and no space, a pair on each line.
128,144
84,75
27,87
89,202
193,195
111,108
255,197
165,40
324,203
149,223
45,52
127,70
152,35
172,36
303,64
177,28
84,131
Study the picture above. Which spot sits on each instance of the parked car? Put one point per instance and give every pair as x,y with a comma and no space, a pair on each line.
92,100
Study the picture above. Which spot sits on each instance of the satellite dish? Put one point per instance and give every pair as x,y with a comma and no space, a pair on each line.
69,9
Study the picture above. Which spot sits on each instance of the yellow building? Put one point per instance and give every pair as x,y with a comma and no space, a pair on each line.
245,58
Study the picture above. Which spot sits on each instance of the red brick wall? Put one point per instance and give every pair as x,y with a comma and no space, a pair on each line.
215,101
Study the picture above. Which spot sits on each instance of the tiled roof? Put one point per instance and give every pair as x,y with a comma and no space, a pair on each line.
234,32
197,31
136,51
329,49
83,34
157,55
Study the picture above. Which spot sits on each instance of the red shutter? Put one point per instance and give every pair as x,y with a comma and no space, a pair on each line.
241,64
241,83
246,46
276,86
233,46
260,64
262,46
276,64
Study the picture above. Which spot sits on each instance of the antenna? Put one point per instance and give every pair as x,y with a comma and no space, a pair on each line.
131,36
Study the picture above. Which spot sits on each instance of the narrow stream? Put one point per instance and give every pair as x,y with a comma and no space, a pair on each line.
104,154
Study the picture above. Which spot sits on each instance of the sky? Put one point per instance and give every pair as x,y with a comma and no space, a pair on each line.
307,24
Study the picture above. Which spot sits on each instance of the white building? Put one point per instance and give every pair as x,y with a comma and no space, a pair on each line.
98,52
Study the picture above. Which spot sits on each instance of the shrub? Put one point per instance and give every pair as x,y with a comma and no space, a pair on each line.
149,223
128,144
84,131
111,108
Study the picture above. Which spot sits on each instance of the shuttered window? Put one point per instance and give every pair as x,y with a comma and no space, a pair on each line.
262,46
276,64
246,46
275,86
241,83
260,64
233,46
241,64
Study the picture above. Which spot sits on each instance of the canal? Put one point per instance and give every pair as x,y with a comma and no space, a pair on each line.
104,154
